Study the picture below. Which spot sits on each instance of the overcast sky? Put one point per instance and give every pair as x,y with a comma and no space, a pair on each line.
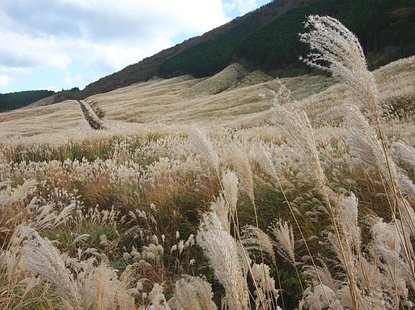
55,44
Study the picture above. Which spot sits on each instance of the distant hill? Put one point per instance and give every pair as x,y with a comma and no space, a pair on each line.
36,98
217,44
267,39
21,99
385,28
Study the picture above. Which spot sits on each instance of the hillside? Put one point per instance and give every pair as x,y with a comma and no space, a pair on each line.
223,37
234,97
267,39
186,174
36,98
235,191
17,100
386,30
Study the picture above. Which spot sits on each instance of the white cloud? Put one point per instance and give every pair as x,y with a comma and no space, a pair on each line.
8,75
102,36
119,56
22,51
5,80
135,16
241,6
73,79
112,20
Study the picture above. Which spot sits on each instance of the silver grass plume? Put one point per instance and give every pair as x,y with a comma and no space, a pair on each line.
202,146
319,297
230,192
347,211
385,285
64,215
81,238
406,186
157,299
42,258
393,236
222,252
263,158
300,135
283,96
349,262
347,244
405,153
283,232
11,259
337,50
267,294
48,218
100,287
254,239
321,274
192,293
243,169
363,141
365,146
109,291
11,195
387,250
221,208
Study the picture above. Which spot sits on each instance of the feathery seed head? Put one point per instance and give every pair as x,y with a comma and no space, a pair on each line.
230,190
42,258
337,50
192,293
283,232
204,147
222,251
254,239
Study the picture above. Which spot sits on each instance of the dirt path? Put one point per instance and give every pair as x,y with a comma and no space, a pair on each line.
93,120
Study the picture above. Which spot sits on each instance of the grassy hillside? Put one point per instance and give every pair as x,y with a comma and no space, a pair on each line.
17,100
214,54
236,191
114,214
218,41
267,39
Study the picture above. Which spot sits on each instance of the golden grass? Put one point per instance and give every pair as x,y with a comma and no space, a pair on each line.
128,189
162,101
109,219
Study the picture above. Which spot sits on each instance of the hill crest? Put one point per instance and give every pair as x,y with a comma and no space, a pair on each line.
149,67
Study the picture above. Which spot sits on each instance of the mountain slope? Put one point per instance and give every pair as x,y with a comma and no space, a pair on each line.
167,102
385,28
267,39
21,99
223,37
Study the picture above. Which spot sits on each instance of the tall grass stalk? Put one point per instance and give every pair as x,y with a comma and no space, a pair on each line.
229,183
337,50
301,135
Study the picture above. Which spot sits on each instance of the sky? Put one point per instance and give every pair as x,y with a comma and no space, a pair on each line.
60,44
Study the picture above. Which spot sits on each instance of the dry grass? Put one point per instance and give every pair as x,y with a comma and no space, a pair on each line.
114,214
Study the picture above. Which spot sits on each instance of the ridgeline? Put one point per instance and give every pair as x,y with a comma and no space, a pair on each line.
267,39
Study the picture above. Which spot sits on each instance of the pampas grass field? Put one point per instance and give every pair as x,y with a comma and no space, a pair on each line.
252,193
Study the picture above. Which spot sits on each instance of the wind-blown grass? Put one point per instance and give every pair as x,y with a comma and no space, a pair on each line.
305,203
